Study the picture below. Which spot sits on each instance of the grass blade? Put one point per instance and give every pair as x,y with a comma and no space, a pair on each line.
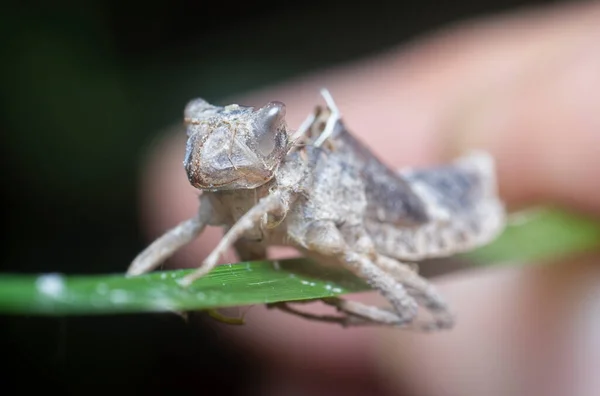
540,234
227,285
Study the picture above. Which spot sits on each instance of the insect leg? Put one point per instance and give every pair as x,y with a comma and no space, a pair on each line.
404,305
356,314
324,238
362,314
171,241
270,203
422,290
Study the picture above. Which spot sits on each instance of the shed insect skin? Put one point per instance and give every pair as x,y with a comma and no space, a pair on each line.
324,193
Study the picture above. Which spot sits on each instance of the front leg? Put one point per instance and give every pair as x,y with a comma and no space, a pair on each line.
171,241
277,201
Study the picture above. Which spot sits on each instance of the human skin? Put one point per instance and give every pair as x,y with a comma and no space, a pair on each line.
526,88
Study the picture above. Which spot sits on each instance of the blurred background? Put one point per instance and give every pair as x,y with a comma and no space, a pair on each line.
86,87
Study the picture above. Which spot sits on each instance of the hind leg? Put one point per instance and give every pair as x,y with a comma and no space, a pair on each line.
422,290
354,313
324,238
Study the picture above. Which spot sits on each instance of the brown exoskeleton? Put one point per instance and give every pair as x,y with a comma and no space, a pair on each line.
324,193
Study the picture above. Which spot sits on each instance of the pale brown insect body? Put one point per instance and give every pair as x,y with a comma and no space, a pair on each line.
324,193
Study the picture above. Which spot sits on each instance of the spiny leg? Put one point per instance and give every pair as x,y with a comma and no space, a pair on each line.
355,313
324,238
404,306
361,314
273,202
358,314
171,241
422,290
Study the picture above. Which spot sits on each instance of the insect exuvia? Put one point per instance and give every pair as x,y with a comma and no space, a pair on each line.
324,193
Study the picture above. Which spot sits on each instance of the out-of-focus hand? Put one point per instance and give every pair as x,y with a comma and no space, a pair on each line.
525,87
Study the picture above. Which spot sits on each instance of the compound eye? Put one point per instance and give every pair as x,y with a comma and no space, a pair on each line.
270,119
271,116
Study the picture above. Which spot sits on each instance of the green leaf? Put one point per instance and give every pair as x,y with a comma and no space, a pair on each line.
540,234
226,286
544,234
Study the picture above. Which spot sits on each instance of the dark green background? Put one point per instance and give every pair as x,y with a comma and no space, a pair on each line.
86,86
